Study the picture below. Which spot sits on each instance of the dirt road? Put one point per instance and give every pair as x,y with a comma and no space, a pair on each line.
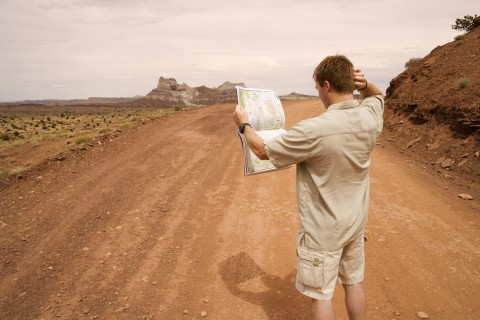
159,222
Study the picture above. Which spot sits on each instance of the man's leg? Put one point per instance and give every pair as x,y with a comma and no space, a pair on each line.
322,310
355,301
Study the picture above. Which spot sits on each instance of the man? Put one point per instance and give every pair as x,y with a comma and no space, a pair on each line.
332,154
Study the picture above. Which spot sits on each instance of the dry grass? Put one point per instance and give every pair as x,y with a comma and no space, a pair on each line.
28,127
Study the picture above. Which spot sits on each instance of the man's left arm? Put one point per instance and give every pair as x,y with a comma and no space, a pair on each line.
254,141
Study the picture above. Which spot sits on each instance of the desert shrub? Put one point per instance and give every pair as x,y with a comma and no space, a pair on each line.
178,109
83,139
4,137
49,119
465,24
4,174
459,37
16,133
463,83
412,62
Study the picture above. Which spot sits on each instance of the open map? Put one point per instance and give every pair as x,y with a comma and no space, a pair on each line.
264,108
265,114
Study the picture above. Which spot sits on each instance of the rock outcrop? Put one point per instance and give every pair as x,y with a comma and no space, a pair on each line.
297,96
432,110
169,93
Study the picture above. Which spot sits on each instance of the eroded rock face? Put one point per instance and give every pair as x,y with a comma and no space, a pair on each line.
432,110
170,93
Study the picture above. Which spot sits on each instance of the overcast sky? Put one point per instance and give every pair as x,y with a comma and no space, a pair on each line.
69,49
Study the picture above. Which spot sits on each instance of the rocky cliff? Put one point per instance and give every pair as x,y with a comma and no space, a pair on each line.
169,93
432,109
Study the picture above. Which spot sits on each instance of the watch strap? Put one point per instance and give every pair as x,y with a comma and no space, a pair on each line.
242,126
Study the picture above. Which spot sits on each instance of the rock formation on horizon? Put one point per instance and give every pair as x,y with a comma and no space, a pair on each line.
169,93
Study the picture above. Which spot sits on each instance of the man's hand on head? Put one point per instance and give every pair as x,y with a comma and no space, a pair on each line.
360,80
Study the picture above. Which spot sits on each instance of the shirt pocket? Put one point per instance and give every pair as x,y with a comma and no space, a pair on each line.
310,267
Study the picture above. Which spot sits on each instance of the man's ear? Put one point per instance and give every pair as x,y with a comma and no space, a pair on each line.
327,85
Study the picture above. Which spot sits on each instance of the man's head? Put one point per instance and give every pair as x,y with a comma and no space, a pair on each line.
339,73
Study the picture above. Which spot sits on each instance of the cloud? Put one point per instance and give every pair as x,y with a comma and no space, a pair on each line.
54,6
273,44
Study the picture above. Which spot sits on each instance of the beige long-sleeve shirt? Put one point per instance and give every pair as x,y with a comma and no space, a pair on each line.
332,153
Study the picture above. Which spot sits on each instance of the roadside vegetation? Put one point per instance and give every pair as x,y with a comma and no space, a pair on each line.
33,126
411,62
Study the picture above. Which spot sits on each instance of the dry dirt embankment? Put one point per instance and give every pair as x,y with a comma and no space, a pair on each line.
159,223
433,113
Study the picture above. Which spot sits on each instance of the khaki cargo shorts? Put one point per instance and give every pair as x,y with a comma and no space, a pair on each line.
318,272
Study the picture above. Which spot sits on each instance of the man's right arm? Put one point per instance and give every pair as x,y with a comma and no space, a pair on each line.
369,90
365,88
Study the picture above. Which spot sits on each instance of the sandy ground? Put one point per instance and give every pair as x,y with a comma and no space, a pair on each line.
160,223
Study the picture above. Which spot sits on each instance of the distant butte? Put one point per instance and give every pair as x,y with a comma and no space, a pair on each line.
169,93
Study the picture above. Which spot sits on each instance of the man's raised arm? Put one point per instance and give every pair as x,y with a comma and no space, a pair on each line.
365,88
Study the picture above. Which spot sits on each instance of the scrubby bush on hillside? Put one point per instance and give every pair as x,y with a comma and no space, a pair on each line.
465,24
83,139
459,37
463,83
412,62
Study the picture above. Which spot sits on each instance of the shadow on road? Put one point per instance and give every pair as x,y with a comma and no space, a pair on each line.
280,300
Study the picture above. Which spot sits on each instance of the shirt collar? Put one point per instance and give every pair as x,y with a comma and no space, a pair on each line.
344,105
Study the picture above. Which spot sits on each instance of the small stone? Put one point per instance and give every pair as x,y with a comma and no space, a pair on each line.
22,294
440,160
411,143
121,309
465,196
85,249
422,315
447,163
205,300
203,314
433,146
85,311
397,313
185,311
119,228
461,163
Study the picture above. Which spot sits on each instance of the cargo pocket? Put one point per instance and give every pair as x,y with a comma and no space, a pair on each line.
310,268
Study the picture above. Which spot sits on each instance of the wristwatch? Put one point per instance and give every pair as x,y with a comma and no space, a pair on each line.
241,128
